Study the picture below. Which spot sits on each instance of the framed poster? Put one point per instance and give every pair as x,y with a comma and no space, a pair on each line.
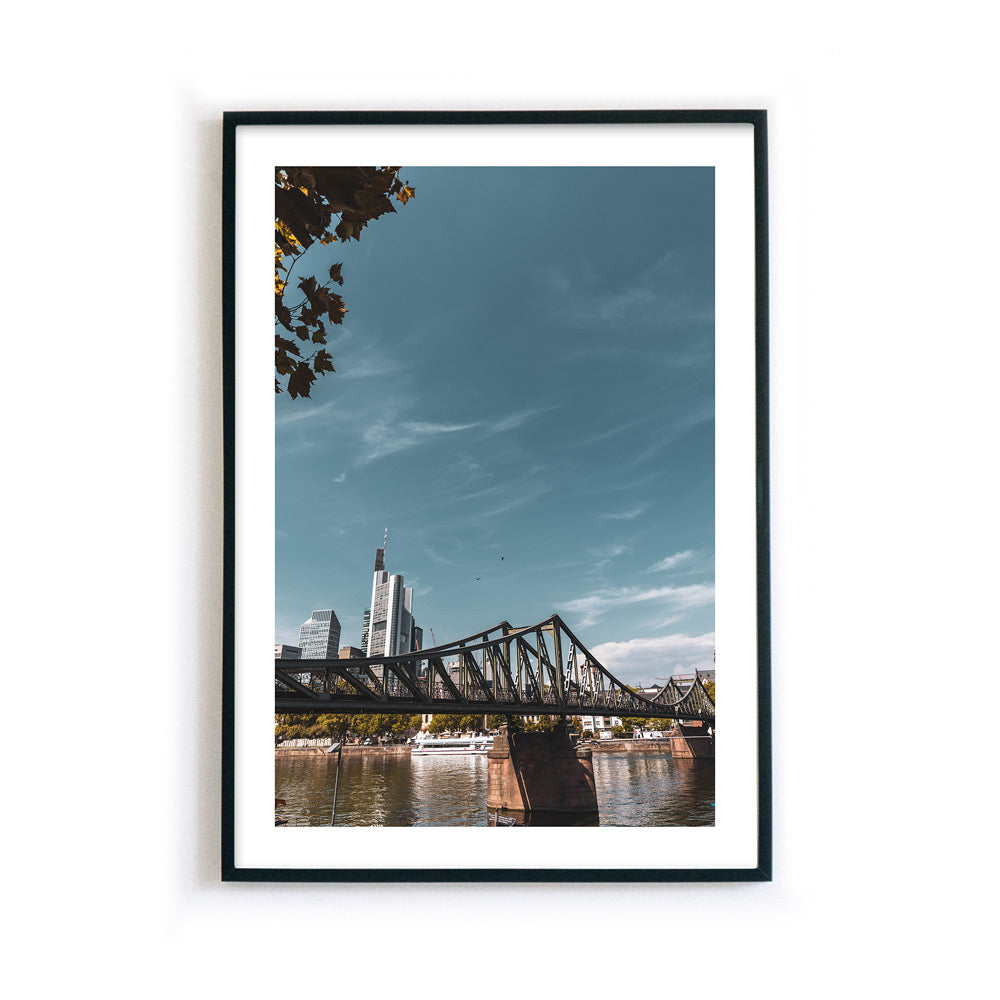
497,494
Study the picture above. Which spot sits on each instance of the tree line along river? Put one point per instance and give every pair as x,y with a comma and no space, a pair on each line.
635,788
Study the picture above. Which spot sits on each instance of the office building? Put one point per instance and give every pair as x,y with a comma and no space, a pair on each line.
319,637
389,626
283,652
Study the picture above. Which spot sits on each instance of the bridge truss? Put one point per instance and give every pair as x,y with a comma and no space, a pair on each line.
542,669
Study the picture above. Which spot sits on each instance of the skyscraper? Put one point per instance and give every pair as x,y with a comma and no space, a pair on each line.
390,621
320,636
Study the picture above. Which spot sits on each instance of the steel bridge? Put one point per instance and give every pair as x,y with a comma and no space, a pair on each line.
542,669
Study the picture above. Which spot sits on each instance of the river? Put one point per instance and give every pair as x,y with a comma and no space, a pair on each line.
633,789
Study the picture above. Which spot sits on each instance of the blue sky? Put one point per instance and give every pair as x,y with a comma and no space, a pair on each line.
526,371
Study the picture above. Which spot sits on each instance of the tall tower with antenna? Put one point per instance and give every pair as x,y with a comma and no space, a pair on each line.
390,627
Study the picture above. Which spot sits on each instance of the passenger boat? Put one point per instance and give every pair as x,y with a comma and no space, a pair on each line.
441,746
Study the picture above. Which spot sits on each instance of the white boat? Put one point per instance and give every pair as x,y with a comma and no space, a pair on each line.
447,746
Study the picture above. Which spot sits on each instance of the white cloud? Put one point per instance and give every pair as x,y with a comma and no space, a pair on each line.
671,561
627,515
648,661
596,605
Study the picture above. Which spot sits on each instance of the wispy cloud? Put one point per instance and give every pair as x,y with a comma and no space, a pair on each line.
626,515
383,437
514,420
490,491
610,432
423,429
671,561
586,302
517,501
437,557
673,599
678,427
386,436
605,554
303,412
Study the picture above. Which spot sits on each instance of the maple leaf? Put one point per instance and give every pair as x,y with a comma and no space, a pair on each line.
300,381
323,362
405,193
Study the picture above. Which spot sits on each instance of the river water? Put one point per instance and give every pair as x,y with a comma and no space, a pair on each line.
633,789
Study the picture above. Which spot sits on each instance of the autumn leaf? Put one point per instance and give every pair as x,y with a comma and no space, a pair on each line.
405,194
283,229
300,381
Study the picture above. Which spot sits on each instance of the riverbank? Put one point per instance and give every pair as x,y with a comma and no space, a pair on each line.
307,747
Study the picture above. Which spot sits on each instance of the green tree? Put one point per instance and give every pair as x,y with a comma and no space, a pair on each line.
335,726
306,202
545,724
296,727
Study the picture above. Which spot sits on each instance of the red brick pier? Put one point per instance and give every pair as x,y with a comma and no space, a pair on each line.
540,772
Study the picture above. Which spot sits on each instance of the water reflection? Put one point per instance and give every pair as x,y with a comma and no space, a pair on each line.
633,789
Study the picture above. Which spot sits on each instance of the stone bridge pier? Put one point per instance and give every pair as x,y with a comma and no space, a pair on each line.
540,772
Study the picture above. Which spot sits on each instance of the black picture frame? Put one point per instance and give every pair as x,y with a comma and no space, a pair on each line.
232,868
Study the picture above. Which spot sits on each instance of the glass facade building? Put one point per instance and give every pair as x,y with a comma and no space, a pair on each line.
319,637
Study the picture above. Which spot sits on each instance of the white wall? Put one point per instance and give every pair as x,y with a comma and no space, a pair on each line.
884,349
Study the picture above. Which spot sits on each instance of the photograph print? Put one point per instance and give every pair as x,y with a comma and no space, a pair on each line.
495,403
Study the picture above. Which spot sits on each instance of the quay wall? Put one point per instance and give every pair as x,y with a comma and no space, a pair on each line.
349,750
625,746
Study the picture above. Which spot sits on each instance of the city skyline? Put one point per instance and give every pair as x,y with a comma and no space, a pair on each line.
525,396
